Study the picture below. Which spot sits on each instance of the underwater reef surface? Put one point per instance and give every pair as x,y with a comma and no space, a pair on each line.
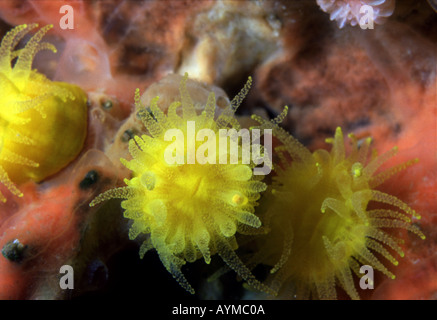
312,56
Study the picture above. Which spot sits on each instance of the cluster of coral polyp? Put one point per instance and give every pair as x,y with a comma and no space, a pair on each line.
321,226
84,176
319,222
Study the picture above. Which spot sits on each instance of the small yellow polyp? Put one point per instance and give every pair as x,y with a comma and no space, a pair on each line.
42,123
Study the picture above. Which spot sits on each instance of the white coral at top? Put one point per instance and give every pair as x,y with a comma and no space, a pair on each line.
348,11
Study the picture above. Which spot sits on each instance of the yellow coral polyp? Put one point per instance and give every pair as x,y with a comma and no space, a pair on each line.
322,228
188,210
42,123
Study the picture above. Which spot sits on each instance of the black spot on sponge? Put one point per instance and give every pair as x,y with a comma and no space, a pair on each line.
14,250
90,179
128,134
